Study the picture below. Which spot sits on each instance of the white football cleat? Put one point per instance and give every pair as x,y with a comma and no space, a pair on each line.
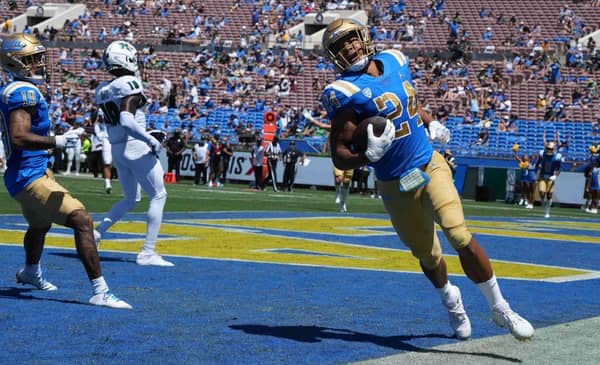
152,259
517,325
36,280
110,300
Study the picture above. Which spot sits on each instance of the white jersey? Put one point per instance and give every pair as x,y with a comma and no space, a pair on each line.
74,139
100,131
201,152
108,99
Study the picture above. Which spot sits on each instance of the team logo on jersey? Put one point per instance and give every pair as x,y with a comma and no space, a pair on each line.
367,92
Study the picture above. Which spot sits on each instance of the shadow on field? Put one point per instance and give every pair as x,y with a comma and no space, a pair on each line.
313,334
69,255
24,294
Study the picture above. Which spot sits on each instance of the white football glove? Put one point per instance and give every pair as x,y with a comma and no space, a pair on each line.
552,178
61,141
155,146
438,132
378,146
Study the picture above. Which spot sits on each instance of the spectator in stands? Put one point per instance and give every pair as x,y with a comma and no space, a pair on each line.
555,75
487,35
504,123
596,127
483,136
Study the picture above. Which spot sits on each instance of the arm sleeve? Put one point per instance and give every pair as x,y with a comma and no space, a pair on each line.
128,122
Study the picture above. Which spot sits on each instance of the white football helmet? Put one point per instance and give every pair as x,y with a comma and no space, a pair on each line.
120,55
334,37
23,57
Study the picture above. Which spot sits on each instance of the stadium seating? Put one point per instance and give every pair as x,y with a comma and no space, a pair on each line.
522,92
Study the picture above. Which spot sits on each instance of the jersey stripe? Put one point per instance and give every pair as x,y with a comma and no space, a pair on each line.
399,56
12,87
345,87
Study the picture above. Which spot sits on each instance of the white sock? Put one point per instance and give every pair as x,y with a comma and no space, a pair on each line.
445,290
104,226
153,221
107,183
34,269
99,285
548,205
345,191
491,292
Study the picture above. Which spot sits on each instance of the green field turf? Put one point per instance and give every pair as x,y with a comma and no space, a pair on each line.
185,197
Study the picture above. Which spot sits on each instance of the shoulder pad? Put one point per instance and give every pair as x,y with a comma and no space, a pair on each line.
127,85
398,56
20,94
337,94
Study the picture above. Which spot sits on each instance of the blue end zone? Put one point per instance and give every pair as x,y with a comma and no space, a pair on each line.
229,312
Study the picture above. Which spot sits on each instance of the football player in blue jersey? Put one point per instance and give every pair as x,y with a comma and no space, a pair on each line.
414,180
548,169
24,117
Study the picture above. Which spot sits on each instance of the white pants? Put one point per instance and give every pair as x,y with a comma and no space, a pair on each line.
73,154
106,152
136,164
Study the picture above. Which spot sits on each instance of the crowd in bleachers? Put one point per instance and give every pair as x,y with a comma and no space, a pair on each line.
507,58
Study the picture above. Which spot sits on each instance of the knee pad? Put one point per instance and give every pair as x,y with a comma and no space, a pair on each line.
458,236
160,196
429,261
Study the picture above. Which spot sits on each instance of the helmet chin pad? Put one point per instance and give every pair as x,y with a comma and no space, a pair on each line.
358,65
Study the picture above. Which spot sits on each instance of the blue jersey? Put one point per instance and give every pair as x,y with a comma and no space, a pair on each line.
548,164
527,172
24,166
595,179
391,95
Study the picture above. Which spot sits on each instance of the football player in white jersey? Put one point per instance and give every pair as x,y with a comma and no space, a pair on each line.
73,148
134,150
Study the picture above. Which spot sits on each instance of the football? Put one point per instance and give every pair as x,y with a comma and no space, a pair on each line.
359,137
